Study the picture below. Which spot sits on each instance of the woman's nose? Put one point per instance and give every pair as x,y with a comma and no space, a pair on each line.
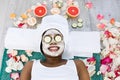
53,42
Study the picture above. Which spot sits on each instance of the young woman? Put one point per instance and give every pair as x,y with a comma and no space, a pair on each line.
54,67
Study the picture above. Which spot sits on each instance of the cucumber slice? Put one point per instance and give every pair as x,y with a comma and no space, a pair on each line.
80,25
80,20
47,39
74,25
58,38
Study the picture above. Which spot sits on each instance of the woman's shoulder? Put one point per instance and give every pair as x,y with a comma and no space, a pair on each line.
28,64
79,64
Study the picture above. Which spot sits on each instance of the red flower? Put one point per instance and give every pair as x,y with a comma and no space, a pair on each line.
106,60
108,34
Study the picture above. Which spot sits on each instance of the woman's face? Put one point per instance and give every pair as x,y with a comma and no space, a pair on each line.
52,43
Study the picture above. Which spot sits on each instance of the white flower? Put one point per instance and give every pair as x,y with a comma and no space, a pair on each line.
8,69
105,43
105,52
76,3
117,24
91,70
118,78
111,74
112,41
116,62
10,62
115,32
20,65
106,78
12,52
13,65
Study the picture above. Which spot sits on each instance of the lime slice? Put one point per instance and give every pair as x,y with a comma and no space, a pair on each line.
80,25
74,25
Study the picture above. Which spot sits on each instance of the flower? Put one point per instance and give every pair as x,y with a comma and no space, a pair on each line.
89,5
15,76
29,52
100,17
12,52
24,58
12,64
110,38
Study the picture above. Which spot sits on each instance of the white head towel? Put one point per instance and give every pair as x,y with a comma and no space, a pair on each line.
57,22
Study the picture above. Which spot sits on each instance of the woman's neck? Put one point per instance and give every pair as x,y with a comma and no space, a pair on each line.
55,60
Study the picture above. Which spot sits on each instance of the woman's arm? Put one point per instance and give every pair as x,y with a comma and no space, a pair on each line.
82,70
26,71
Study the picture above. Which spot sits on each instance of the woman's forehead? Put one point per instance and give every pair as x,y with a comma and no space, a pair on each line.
52,31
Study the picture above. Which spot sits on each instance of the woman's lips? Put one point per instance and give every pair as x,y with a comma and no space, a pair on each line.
53,48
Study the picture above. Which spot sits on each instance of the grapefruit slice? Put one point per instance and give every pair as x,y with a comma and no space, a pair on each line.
73,11
40,11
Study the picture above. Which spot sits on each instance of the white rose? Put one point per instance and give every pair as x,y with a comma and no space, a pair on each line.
10,62
14,66
106,78
8,69
105,43
20,65
118,78
112,41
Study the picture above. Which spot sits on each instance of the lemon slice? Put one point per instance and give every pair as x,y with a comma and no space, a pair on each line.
58,38
47,39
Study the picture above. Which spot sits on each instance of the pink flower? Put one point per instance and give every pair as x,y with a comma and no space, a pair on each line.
15,76
117,72
9,55
91,59
20,25
103,68
108,34
100,16
24,58
106,60
89,5
101,26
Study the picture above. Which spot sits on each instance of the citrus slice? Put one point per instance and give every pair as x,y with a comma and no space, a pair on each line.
73,11
40,11
31,21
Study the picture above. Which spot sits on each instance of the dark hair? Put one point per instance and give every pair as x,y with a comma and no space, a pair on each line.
41,43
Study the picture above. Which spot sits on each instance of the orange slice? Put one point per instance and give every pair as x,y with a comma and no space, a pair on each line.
40,11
